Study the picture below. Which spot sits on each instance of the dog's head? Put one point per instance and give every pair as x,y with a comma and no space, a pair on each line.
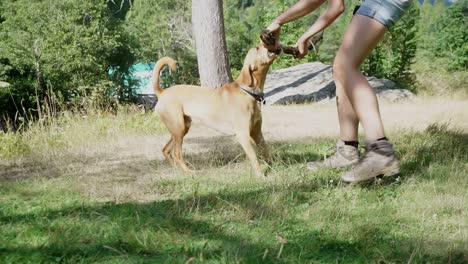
256,66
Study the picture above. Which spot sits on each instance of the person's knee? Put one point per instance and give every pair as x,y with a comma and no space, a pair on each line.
339,70
343,69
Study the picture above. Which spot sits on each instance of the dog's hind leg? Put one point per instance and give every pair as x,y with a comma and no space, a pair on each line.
178,125
167,151
187,123
178,156
178,140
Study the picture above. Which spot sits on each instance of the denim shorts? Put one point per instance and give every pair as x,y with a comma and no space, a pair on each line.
387,12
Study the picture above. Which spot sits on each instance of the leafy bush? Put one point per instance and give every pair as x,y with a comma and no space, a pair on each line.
438,68
392,59
80,41
451,36
12,145
88,47
164,29
72,129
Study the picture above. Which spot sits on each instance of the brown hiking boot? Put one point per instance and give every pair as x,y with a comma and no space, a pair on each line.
345,155
379,159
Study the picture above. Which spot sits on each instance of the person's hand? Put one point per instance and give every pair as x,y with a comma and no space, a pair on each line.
302,47
275,30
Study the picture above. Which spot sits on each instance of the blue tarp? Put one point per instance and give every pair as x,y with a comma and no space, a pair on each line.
142,72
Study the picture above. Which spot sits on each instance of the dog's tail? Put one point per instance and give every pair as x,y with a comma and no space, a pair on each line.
157,71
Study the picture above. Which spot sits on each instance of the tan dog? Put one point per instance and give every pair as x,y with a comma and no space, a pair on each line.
235,103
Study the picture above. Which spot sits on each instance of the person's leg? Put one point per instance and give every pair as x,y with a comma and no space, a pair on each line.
346,152
347,118
353,90
361,37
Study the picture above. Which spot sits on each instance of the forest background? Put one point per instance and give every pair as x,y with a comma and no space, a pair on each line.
78,55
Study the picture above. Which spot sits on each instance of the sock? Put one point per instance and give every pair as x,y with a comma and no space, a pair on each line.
351,143
384,138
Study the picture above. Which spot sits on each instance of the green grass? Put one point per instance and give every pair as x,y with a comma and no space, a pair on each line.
434,77
70,130
143,211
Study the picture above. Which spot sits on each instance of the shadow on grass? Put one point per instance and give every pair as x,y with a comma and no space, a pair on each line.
206,153
224,150
71,164
180,229
437,144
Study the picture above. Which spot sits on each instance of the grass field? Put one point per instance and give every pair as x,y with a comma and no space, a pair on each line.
76,192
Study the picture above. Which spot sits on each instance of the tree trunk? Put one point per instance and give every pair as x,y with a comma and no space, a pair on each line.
40,85
210,41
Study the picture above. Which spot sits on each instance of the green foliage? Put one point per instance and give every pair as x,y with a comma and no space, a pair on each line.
88,47
13,145
79,42
428,12
71,129
164,29
17,99
450,36
392,59
437,71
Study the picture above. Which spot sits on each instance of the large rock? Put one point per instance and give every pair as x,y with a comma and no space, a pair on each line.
313,82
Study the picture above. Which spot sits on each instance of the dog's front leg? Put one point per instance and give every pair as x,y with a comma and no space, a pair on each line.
246,142
257,136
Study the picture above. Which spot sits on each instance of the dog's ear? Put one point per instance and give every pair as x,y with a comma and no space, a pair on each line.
246,75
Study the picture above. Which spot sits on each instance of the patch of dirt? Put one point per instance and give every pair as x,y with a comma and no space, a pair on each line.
290,123
282,123
321,120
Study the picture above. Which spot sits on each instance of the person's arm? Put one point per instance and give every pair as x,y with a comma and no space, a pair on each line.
334,10
300,9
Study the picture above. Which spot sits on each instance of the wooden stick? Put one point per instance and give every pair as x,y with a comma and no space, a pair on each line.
268,39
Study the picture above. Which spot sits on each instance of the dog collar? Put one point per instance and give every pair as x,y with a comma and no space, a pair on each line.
258,96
